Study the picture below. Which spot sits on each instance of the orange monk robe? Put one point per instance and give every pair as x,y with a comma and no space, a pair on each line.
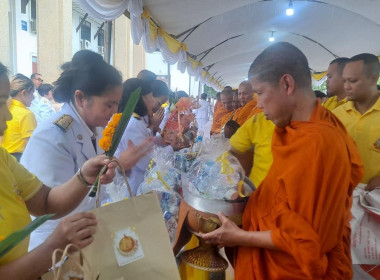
247,111
237,113
218,105
221,116
305,202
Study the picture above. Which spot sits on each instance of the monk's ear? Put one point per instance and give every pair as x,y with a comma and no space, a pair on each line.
287,84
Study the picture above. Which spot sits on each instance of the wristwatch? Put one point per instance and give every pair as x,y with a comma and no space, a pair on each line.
82,179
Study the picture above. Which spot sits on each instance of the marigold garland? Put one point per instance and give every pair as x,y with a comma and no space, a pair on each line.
106,141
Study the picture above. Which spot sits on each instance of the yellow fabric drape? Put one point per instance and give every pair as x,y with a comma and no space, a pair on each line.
174,45
194,64
319,76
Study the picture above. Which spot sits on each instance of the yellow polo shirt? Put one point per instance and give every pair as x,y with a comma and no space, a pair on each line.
19,129
17,186
256,133
365,131
332,102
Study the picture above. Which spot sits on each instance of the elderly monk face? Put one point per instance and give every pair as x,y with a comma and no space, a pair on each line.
226,98
274,100
245,93
357,84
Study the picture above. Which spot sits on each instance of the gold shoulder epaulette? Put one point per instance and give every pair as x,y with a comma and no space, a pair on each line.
64,122
136,116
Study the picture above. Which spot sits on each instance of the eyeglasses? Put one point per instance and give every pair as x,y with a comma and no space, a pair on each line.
39,79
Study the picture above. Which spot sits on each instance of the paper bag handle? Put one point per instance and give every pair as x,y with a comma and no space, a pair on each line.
65,253
104,170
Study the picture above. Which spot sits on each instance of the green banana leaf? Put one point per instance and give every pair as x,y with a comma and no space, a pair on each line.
15,238
122,125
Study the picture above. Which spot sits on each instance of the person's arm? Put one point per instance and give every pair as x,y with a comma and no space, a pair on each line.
76,229
63,199
373,183
230,235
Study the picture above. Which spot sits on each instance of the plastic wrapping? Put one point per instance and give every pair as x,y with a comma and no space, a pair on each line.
217,174
165,180
115,191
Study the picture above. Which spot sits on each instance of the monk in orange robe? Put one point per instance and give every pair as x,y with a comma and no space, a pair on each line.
222,114
296,225
248,99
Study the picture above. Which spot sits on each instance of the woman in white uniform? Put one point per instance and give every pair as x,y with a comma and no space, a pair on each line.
143,124
91,91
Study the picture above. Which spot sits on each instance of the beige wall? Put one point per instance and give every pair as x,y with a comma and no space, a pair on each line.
4,34
54,19
129,59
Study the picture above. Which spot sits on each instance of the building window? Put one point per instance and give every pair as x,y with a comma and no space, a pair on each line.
101,38
34,64
33,10
85,30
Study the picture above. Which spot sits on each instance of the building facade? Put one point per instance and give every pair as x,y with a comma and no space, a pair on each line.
39,36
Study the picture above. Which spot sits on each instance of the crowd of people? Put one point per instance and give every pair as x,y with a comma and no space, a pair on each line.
305,152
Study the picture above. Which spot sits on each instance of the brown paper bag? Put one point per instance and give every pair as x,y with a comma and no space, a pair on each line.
74,267
132,242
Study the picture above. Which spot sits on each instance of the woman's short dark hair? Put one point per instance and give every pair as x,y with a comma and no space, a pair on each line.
159,88
130,86
91,78
82,57
44,89
181,94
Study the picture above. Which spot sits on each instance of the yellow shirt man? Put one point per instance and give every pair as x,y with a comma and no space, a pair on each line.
256,132
19,129
332,102
17,186
365,131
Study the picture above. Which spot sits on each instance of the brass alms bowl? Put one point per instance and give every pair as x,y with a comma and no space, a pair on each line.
202,217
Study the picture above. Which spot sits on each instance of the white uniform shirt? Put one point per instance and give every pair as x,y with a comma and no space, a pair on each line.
137,131
41,108
54,155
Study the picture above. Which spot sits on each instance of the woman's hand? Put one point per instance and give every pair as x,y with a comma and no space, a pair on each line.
77,229
91,168
155,121
133,154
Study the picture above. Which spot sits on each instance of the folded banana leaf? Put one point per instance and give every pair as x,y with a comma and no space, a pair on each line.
15,238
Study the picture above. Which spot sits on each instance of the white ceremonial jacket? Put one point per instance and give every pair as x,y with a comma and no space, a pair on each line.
54,154
42,108
137,131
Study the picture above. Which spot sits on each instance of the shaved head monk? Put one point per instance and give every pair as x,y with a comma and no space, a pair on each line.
296,224
248,100
223,113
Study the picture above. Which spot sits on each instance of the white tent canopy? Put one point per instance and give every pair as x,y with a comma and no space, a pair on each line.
226,36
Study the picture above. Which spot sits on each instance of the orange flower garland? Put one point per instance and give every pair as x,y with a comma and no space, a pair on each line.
106,141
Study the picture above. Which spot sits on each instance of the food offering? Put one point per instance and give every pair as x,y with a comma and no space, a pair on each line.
127,246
